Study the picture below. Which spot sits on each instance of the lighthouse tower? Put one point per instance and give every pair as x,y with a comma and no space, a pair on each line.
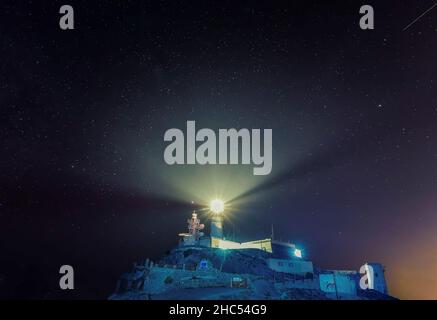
217,226
217,208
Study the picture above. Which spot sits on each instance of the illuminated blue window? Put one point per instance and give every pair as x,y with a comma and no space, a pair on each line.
203,264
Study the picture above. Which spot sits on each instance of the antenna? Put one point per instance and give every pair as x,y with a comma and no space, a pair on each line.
273,234
194,226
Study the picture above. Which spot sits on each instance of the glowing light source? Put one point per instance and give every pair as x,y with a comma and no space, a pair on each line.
298,253
217,206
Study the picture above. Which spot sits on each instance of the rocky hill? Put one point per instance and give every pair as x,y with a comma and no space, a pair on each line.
214,274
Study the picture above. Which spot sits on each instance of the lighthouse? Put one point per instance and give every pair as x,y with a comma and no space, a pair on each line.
217,208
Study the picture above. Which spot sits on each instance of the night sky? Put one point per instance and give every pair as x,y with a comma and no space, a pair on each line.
83,115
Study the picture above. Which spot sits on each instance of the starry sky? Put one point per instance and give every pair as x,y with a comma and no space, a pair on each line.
353,114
